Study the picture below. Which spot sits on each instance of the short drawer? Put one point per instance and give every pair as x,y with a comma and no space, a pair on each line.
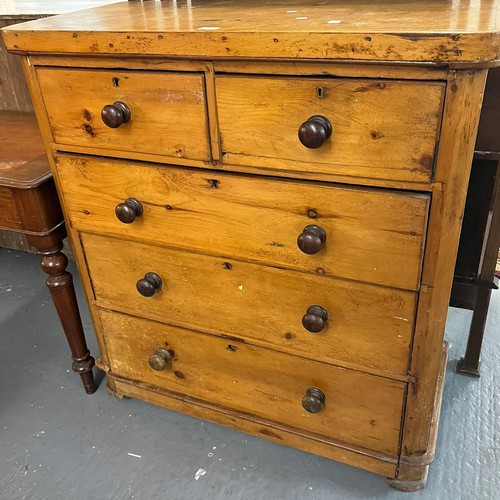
371,235
167,110
384,129
366,325
358,409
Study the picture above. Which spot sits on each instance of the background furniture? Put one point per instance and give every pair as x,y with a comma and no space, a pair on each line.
30,206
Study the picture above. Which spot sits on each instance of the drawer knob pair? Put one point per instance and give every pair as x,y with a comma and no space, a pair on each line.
116,114
160,360
315,318
127,211
148,285
314,400
315,131
312,239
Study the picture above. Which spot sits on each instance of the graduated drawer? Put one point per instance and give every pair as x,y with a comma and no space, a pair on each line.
367,325
372,235
384,129
167,110
359,409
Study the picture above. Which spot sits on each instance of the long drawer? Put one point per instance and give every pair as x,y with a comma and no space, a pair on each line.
167,110
366,325
384,129
371,235
358,409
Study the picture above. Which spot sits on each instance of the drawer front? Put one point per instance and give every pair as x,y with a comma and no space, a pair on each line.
371,235
385,129
359,409
367,325
167,110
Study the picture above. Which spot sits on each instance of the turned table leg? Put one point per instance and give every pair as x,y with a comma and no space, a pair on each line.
60,284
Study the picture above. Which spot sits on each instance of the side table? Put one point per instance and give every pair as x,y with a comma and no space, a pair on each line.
29,205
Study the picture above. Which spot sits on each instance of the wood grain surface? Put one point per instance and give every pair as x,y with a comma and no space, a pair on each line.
254,218
381,128
168,110
379,463
359,409
421,30
368,325
448,201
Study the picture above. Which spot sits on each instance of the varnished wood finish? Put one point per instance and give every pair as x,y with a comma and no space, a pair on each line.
368,325
167,110
281,434
62,291
420,31
403,126
453,169
383,129
23,162
217,213
224,372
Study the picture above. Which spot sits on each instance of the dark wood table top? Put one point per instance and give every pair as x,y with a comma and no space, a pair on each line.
21,145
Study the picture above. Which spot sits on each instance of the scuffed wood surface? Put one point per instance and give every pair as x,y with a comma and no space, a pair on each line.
254,218
368,326
384,129
359,409
168,114
422,30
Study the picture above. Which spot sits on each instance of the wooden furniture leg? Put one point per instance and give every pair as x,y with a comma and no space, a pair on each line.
62,291
469,364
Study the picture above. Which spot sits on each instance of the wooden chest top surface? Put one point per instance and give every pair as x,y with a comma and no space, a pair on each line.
421,31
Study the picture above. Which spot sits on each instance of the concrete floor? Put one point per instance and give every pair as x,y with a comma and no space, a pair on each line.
56,442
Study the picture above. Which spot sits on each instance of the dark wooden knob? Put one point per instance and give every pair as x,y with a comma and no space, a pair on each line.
315,131
148,285
314,400
312,239
315,318
116,114
160,360
127,211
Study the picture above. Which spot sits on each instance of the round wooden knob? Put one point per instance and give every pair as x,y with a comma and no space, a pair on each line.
116,114
160,360
148,285
315,131
312,239
314,400
127,211
314,320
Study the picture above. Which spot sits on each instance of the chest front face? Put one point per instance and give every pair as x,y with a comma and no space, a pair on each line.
268,244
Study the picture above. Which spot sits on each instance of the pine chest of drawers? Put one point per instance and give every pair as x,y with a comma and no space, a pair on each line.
265,206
